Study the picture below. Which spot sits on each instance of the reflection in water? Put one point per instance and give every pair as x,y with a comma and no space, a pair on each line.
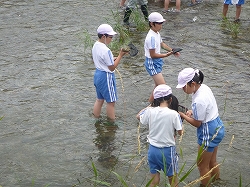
104,141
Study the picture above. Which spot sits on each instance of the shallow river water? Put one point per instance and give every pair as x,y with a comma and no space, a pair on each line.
48,135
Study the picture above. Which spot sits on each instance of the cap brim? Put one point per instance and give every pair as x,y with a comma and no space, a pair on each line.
160,21
112,33
180,85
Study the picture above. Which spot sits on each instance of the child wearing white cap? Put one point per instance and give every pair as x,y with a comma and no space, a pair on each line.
152,47
104,77
162,122
205,117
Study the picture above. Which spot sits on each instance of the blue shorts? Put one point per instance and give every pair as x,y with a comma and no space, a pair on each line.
105,85
210,134
160,158
229,2
153,65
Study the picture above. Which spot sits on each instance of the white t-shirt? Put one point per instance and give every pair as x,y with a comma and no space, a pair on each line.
204,105
162,123
102,56
153,41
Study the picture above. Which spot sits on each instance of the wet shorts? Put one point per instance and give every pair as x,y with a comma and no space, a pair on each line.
210,134
153,65
231,2
105,86
160,157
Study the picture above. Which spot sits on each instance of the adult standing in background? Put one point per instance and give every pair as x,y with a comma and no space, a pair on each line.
132,5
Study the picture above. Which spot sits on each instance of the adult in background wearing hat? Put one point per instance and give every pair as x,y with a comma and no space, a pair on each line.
162,122
205,117
104,77
152,46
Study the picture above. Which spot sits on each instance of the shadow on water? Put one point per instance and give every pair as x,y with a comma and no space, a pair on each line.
104,141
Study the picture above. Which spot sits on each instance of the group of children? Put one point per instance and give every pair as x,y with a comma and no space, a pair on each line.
143,3
162,120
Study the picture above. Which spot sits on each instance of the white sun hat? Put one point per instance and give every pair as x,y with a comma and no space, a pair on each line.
185,76
156,17
162,90
106,29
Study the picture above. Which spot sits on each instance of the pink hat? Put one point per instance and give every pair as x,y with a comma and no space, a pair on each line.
162,90
106,29
156,17
185,76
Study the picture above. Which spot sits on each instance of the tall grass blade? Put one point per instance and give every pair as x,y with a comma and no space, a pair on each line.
94,168
120,179
101,182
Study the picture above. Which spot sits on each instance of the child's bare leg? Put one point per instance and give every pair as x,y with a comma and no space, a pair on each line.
111,111
173,181
238,11
98,107
178,5
225,9
166,3
203,166
156,179
158,79
213,163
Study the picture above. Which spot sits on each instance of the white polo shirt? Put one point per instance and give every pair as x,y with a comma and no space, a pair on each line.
204,105
153,41
102,56
162,123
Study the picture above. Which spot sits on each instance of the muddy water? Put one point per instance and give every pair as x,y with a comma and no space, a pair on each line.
48,135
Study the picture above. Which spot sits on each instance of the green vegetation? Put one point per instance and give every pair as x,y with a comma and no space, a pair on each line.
232,26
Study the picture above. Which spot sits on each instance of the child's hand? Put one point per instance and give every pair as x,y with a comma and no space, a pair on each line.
123,52
177,54
189,113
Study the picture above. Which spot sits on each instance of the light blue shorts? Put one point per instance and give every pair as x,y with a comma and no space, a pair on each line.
153,65
160,158
210,134
229,2
105,85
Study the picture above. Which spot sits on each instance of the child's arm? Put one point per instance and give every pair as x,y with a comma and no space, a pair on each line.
167,48
138,115
190,120
117,60
153,54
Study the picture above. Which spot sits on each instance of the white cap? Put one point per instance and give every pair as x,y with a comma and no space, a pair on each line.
185,76
106,29
156,17
162,90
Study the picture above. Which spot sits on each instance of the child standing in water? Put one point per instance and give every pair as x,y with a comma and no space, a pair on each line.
162,122
205,117
104,77
152,46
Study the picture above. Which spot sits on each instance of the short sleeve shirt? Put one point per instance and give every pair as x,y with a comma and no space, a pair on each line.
153,41
162,123
102,57
204,105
